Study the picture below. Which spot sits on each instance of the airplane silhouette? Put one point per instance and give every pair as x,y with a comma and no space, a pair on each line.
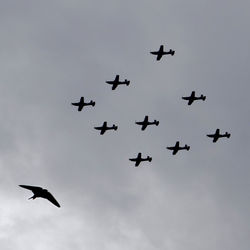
41,193
117,82
139,159
217,135
192,98
81,104
104,128
145,123
176,148
161,52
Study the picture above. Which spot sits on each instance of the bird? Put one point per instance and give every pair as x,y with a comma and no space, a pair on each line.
41,193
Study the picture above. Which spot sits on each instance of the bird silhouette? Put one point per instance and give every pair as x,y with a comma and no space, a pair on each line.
41,193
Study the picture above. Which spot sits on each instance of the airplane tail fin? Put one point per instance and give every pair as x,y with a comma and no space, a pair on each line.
228,135
172,52
127,82
187,147
92,103
115,127
149,158
203,98
156,122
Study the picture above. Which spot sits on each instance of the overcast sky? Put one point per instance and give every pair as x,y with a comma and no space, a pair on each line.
54,52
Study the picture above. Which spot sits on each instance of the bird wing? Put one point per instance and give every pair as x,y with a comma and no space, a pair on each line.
31,188
52,199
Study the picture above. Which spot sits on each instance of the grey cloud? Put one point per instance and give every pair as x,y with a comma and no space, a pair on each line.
53,53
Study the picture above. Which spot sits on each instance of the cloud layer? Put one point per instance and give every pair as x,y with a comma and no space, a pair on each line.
52,53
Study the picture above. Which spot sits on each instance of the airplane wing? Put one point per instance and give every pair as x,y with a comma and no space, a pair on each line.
175,151
144,126
159,56
80,107
102,131
31,188
116,78
52,199
216,135
114,86
190,101
137,162
176,148
215,138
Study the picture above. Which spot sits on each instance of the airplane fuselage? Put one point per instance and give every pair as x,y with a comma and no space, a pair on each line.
161,53
217,136
146,123
81,104
117,82
193,98
139,159
104,128
176,148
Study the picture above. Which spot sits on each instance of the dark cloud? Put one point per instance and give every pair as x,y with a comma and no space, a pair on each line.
53,53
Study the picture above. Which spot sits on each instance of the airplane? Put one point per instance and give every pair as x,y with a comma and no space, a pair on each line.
161,53
41,193
81,104
104,128
192,98
217,135
176,148
139,159
145,123
117,82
